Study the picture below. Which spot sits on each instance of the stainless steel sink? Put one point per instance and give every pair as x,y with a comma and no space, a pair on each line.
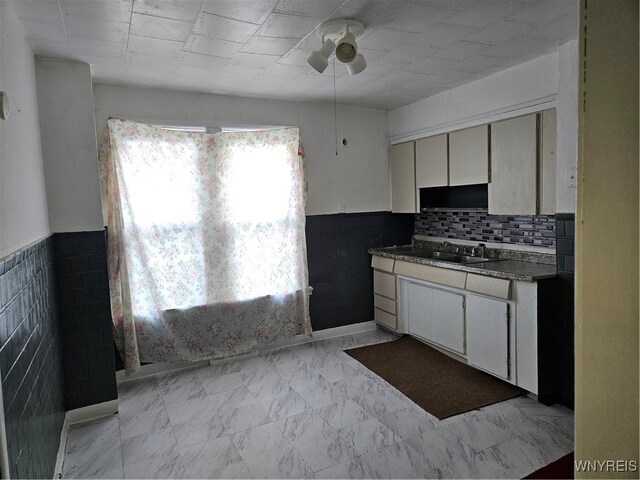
448,256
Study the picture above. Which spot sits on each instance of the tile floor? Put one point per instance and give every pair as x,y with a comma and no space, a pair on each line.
309,411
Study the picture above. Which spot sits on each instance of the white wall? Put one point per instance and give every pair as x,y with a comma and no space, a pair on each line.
530,86
567,146
69,145
544,82
23,200
356,180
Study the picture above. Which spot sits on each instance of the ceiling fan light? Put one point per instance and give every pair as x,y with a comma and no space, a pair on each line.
320,58
347,48
358,64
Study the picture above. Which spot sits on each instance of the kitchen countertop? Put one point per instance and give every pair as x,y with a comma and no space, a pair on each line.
508,269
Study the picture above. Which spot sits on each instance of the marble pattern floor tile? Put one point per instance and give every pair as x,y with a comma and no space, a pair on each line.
308,411
199,431
258,440
143,447
180,387
150,421
281,462
244,418
285,406
206,458
93,450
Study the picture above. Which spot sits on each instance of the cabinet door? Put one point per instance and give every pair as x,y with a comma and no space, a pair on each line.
436,315
488,335
469,156
513,184
547,168
403,178
431,162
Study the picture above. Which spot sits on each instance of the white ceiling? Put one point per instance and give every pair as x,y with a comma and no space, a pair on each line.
258,48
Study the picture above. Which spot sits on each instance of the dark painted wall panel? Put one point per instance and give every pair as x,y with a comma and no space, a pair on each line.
30,361
340,267
85,318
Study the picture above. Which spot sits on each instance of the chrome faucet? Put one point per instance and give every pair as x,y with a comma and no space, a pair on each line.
478,251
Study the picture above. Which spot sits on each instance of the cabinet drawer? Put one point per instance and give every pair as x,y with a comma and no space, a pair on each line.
384,284
386,319
493,287
384,303
382,263
443,276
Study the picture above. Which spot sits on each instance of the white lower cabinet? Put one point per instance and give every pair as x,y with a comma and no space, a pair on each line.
436,315
488,335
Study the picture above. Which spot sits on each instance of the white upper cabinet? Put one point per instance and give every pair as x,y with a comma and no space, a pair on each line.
513,187
547,168
469,156
432,162
403,178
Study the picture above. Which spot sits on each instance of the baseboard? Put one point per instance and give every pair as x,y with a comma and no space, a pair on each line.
57,473
161,368
156,369
91,412
81,415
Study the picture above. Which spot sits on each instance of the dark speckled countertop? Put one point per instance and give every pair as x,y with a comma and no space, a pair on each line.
508,268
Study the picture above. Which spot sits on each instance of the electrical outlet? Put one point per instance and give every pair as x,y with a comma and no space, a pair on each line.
570,178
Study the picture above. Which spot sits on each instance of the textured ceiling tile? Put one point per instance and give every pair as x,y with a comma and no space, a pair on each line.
288,26
296,57
212,46
112,10
380,67
497,33
215,26
252,11
199,60
308,8
559,31
50,49
255,60
43,11
158,27
269,45
97,29
187,10
371,12
543,12
286,71
430,65
384,39
98,49
52,32
417,18
409,53
463,49
153,46
161,60
440,34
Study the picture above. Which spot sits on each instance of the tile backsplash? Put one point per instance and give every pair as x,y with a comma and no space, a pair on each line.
478,225
30,360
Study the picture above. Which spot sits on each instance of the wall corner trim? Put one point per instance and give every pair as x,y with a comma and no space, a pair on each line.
80,415
523,108
91,412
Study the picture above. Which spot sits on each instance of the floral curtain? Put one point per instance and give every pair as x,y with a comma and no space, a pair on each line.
206,241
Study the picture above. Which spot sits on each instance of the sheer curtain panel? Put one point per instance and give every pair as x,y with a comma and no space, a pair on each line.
206,233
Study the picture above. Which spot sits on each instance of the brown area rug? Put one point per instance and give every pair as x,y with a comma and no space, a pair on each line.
561,468
441,385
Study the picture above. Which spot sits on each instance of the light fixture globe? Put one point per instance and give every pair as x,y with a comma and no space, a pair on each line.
347,48
320,58
344,32
358,65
